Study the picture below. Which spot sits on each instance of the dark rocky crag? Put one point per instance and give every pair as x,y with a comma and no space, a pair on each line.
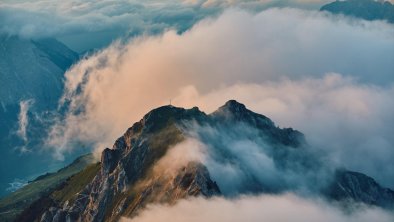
126,181
365,9
358,187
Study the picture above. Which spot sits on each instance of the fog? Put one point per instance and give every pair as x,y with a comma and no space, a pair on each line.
23,119
254,209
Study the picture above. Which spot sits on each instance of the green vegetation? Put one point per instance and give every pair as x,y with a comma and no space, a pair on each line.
75,184
12,205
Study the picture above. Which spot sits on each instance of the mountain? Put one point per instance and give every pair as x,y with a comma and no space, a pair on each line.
16,202
31,76
365,9
359,187
30,69
139,169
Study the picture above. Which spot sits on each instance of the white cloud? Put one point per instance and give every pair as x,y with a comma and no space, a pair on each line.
86,24
16,185
350,123
190,150
275,62
91,24
254,209
23,118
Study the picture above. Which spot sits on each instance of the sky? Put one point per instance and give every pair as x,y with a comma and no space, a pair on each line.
331,77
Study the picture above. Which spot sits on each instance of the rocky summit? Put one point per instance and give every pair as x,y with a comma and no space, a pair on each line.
127,179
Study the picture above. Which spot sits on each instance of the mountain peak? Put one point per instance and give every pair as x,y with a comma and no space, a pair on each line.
233,110
164,115
233,106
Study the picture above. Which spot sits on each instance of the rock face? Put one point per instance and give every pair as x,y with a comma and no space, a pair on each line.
129,177
125,182
365,9
358,187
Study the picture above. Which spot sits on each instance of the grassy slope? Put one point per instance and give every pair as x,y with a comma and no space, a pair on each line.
75,184
67,191
13,204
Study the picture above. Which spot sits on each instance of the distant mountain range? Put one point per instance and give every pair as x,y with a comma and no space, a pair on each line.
33,70
31,76
365,9
129,175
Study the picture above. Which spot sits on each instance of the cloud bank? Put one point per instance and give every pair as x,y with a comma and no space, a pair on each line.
347,122
85,25
254,209
276,62
93,24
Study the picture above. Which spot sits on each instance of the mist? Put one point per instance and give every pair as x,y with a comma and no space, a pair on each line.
231,171
23,119
258,208
348,123
243,162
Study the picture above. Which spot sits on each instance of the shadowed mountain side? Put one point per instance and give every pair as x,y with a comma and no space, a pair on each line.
359,187
365,9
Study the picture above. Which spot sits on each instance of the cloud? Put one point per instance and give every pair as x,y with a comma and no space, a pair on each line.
241,165
347,122
99,21
23,119
261,208
190,150
94,24
16,185
241,162
262,4
275,61
83,25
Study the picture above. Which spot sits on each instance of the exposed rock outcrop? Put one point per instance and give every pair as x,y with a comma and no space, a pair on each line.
358,187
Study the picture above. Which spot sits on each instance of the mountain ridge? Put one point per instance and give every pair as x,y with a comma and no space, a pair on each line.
128,178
